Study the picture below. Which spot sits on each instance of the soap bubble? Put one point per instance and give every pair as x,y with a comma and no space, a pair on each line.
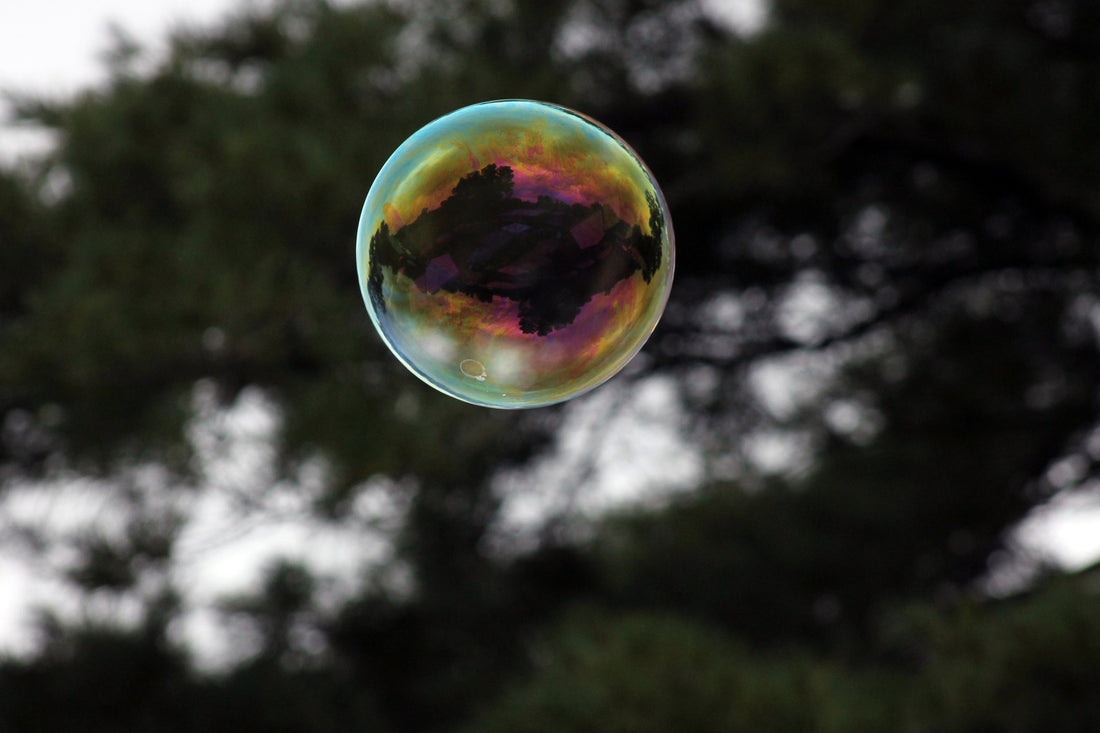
514,254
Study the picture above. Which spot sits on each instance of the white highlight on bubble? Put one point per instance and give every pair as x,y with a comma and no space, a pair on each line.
438,345
510,367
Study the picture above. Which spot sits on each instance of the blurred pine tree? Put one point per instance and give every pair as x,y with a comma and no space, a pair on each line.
891,203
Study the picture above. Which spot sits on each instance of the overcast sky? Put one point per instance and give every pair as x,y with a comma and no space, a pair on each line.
54,45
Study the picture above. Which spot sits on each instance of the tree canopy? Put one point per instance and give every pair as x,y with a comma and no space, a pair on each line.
882,352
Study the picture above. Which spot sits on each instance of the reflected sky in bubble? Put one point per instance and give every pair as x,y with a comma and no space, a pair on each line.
514,254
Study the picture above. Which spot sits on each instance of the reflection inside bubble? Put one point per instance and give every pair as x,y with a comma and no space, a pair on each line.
523,233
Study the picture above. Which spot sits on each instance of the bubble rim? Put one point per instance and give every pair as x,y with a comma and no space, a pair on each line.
363,234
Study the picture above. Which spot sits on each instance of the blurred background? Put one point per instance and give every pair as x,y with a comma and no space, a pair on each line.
851,483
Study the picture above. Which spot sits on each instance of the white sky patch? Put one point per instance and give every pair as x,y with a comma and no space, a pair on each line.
56,47
741,16
859,422
618,446
724,311
244,521
24,590
783,452
786,384
41,528
1066,530
236,523
811,309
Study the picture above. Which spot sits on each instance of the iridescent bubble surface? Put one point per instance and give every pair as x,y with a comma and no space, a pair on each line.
515,254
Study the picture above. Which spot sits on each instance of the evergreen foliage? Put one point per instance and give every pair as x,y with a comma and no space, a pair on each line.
894,204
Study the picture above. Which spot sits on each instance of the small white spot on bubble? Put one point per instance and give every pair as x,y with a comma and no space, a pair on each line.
472,368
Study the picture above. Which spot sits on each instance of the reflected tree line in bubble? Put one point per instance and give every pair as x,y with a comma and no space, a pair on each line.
485,243
879,358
